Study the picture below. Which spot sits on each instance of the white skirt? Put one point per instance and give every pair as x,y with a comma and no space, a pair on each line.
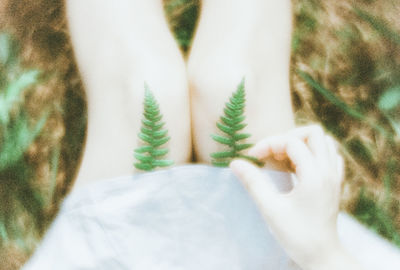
187,217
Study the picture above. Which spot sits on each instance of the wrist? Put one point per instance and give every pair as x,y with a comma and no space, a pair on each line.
332,258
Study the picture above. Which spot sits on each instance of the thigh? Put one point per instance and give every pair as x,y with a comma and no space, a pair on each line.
234,40
120,46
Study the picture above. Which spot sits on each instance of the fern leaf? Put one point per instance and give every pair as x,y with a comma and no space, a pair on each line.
147,123
146,138
226,129
220,163
231,123
147,131
241,147
238,127
228,121
159,152
152,135
143,158
227,154
157,127
239,137
160,134
252,159
238,120
162,163
159,142
234,107
144,149
144,166
230,113
223,140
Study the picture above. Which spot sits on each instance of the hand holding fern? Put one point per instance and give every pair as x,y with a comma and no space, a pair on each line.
303,220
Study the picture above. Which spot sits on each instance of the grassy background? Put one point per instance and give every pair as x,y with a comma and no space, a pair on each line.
344,74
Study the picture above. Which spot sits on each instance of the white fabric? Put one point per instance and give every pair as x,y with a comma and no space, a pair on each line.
189,217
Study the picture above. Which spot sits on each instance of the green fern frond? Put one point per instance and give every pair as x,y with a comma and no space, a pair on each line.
231,123
152,135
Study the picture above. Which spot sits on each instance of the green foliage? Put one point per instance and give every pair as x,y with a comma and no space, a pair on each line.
371,140
150,154
378,218
335,100
231,123
379,25
182,16
390,100
17,132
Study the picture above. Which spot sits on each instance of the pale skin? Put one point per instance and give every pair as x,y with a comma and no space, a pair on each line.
120,45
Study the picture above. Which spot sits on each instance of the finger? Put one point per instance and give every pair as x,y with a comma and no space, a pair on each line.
259,186
305,131
302,159
317,143
340,168
333,153
276,144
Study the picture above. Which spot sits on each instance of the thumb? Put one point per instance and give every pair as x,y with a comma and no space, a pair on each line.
258,184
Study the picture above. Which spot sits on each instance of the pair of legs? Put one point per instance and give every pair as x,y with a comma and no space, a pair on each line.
120,45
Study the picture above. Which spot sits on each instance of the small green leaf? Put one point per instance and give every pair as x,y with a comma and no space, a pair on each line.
143,158
232,106
238,119
152,111
220,163
146,138
144,149
147,123
227,121
152,117
226,129
3,233
241,147
390,99
162,163
158,126
252,159
159,142
238,137
159,152
228,154
144,166
238,127
5,48
146,131
230,113
223,140
13,93
160,134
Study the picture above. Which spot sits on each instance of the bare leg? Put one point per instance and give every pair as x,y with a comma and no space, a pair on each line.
119,46
236,39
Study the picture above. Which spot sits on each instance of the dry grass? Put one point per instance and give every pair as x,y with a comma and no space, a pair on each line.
346,55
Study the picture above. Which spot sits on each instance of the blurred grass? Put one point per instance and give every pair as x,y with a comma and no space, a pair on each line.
22,204
345,75
182,17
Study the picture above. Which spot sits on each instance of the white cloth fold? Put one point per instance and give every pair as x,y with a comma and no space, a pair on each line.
185,218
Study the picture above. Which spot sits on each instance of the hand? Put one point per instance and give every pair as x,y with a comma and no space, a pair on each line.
303,220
